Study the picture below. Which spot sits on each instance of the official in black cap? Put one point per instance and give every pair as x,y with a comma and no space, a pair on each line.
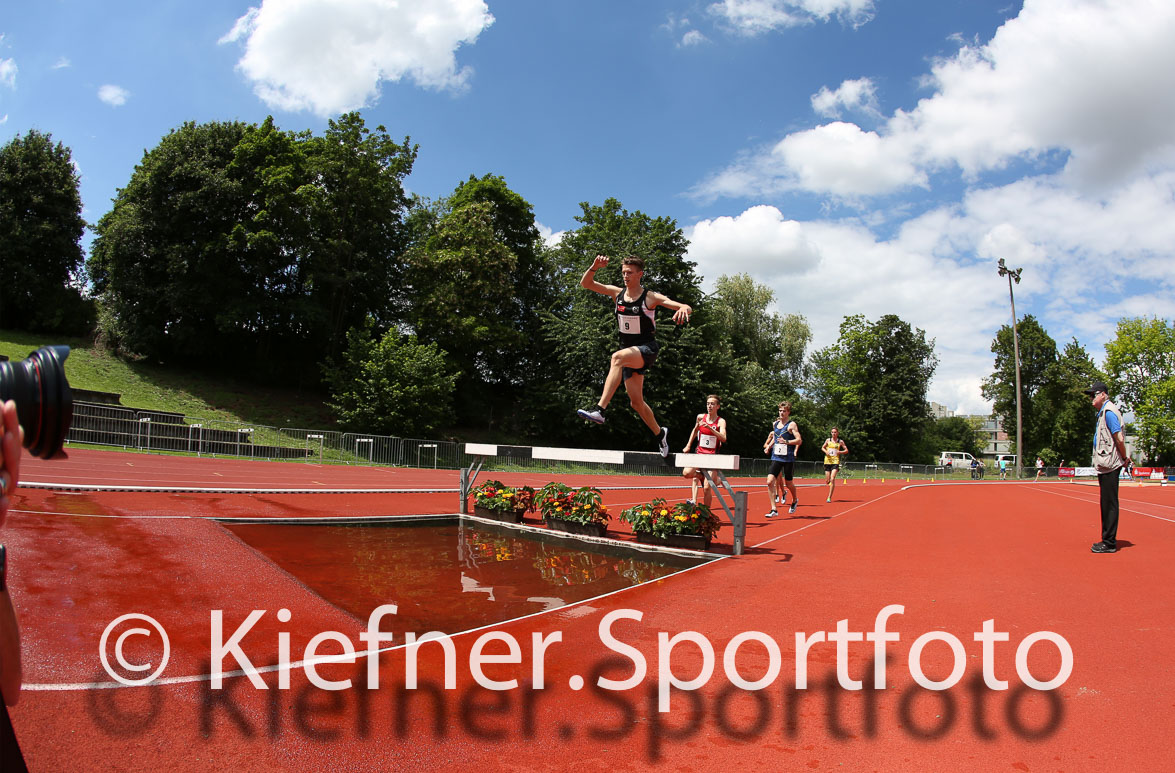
1109,457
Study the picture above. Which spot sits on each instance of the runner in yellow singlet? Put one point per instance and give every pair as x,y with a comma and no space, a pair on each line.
834,449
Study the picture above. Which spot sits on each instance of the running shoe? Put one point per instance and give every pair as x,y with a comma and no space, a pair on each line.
595,415
662,441
828,500
792,509
771,514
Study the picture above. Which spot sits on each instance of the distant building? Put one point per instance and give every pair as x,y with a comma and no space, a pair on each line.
997,441
940,411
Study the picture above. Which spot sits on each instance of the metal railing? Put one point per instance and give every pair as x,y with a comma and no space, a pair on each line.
161,432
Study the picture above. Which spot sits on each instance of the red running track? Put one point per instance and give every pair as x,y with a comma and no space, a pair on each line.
953,555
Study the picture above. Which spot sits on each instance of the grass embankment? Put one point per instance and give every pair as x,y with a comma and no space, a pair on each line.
195,395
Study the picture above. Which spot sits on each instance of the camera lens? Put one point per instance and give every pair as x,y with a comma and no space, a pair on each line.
44,402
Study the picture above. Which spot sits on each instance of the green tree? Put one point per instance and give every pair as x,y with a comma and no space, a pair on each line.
236,245
1062,399
41,228
776,343
390,384
463,293
1140,363
1038,356
872,383
478,262
357,209
165,263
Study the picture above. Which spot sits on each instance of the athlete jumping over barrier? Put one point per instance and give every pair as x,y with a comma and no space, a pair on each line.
635,317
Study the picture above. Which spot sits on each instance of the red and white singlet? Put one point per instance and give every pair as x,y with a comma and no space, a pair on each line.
708,441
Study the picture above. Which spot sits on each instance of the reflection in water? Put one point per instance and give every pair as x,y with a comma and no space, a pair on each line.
449,576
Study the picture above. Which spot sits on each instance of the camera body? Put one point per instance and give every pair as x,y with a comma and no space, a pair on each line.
44,401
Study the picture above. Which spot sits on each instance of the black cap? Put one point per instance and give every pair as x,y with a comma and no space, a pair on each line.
1098,386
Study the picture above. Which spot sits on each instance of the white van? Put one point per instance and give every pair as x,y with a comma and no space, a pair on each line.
1010,457
956,460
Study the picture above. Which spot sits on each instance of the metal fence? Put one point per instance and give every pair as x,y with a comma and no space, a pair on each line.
162,432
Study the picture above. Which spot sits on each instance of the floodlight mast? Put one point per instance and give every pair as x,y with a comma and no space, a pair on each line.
1014,274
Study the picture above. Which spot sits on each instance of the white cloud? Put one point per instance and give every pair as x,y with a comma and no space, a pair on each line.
115,96
4,119
760,241
330,56
1091,79
692,38
858,95
60,64
8,71
755,17
841,159
1088,261
550,238
837,158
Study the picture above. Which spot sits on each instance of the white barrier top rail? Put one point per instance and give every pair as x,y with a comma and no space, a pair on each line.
701,461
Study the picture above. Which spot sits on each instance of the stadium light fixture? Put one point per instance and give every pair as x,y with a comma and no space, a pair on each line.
1014,274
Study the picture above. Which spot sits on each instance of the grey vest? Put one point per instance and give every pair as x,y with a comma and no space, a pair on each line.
1105,451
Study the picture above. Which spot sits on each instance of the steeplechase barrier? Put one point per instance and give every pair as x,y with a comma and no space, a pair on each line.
713,466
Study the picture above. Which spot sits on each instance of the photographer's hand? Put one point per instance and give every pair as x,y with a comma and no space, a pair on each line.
11,435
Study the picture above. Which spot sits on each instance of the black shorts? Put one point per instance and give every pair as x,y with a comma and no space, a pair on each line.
831,467
787,468
649,352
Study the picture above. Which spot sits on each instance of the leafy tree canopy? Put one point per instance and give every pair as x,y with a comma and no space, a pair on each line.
1038,356
1140,364
390,384
872,384
41,228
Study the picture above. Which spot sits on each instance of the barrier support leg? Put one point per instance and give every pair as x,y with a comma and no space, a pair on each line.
468,478
738,518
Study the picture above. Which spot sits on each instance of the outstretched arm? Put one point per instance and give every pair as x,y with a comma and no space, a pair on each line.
681,311
588,282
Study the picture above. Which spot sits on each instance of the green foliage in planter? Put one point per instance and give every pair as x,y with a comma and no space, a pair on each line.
585,505
493,495
661,519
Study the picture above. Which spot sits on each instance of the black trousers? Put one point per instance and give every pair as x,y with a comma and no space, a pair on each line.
1107,483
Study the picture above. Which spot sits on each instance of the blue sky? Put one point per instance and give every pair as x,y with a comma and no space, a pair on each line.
857,156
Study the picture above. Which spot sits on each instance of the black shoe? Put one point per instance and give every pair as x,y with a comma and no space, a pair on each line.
1101,547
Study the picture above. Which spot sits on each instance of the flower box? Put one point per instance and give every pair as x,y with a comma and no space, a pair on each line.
507,516
687,541
576,527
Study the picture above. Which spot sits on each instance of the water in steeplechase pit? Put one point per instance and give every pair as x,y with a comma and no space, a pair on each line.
450,575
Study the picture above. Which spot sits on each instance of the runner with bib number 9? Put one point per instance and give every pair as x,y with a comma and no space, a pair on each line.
635,314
